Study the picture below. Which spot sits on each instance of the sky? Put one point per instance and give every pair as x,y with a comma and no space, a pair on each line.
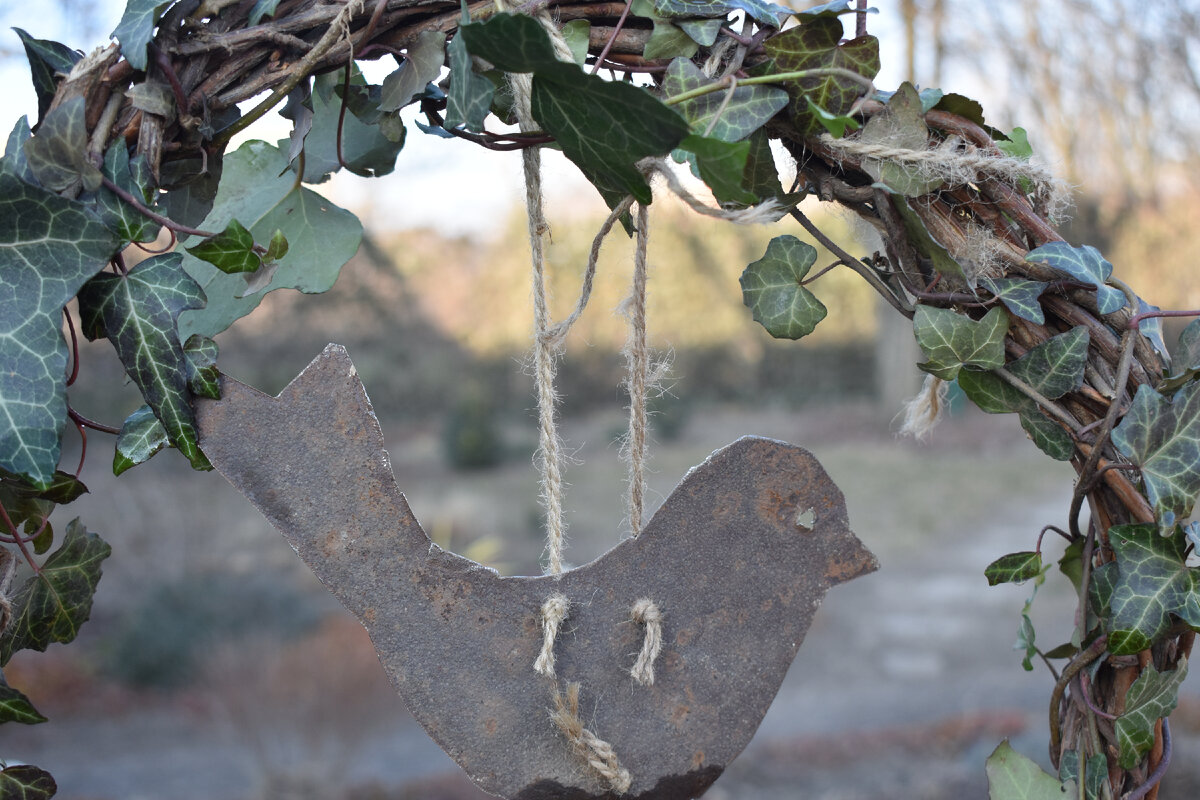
453,186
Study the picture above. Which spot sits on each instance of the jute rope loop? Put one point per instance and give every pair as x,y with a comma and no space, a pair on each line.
646,612
554,611
598,753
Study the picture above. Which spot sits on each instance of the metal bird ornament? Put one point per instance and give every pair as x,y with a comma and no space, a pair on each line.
734,565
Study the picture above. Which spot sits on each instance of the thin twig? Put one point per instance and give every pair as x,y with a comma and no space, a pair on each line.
148,214
1094,651
612,37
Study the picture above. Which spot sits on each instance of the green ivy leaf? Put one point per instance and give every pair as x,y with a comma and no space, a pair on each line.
14,161
1048,435
277,248
1055,366
817,44
577,34
762,176
189,192
991,393
1152,696
951,340
136,29
47,60
1153,582
767,13
964,107
29,507
1101,588
668,41
1014,568
263,8
258,190
231,250
1185,364
204,379
141,436
747,111
926,245
26,782
470,95
835,8
510,42
15,707
138,313
52,604
1012,776
703,31
1019,296
58,153
134,177
771,289
422,64
1084,264
900,124
1095,775
835,124
722,166
368,151
1162,437
49,246
1017,145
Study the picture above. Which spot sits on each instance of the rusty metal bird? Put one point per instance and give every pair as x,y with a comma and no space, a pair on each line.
735,562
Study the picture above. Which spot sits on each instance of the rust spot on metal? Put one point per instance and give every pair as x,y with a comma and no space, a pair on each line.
698,759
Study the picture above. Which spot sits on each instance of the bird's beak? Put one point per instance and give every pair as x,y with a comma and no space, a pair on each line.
850,559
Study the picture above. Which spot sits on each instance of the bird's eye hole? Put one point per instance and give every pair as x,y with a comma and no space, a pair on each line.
805,519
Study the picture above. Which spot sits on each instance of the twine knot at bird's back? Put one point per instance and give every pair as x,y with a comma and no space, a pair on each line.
646,612
554,611
598,753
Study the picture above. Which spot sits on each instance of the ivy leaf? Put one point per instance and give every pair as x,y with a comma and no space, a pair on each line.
964,107
747,111
951,340
470,95
1017,145
771,289
1095,774
1014,568
1048,435
1084,264
1101,588
900,124
1162,437
817,44
26,782
510,42
703,31
15,707
1153,582
834,124
1055,366
141,437
722,166
992,394
577,34
136,29
263,8
49,246
322,237
204,379
1186,361
926,245
58,153
231,250
767,13
1152,696
52,604
14,161
1012,776
1019,296
422,64
138,313
189,192
366,148
47,60
834,7
762,176
668,41
134,177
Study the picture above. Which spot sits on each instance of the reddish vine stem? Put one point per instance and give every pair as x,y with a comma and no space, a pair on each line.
74,373
91,423
19,541
612,37
150,215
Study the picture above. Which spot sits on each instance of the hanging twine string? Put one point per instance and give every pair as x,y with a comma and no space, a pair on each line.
645,612
598,753
554,611
764,213
637,360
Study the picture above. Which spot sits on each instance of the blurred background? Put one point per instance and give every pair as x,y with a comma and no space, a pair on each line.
215,666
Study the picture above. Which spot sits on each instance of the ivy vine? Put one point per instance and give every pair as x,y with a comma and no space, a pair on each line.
131,140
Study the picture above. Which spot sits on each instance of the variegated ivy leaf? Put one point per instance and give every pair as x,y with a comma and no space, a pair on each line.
668,41
835,124
1152,696
703,31
748,110
27,782
204,379
49,246
817,44
136,29
231,250
15,162
1048,435
1019,296
1153,582
469,98
58,153
1162,437
1084,264
138,314
767,13
722,166
951,340
1186,363
1012,776
141,436
1055,366
15,707
422,64
1013,568
900,124
771,289
1095,772
134,177
47,61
